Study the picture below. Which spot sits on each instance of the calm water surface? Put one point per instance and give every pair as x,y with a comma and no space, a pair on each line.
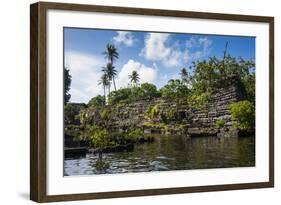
171,153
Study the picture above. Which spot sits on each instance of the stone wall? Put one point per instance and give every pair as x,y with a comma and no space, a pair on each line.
218,109
173,117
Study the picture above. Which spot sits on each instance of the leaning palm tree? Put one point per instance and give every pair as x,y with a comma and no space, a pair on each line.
104,81
110,71
134,77
111,53
184,75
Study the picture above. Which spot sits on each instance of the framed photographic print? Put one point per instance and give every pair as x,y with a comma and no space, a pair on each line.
135,102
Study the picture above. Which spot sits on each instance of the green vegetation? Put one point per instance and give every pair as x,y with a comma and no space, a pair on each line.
71,113
105,113
220,123
131,94
148,90
99,136
171,114
174,89
111,53
194,87
199,101
243,112
249,86
191,91
67,83
134,134
110,73
97,101
104,81
121,95
184,76
152,111
134,78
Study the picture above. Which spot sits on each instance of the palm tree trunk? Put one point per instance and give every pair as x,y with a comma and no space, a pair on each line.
114,83
104,95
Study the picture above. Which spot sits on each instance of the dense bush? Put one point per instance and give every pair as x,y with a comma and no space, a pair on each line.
67,83
171,114
249,84
71,113
99,137
130,94
220,123
148,90
243,112
134,134
120,95
153,111
96,101
105,113
193,90
199,101
215,72
174,89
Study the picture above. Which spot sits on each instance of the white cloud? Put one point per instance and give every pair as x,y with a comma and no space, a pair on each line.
157,48
202,44
147,74
85,70
124,37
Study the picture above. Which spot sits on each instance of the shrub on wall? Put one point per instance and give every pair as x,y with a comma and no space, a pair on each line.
243,112
220,123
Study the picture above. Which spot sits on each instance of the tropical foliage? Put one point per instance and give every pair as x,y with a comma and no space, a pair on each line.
153,111
243,112
104,81
67,83
220,123
96,101
109,71
184,76
111,53
71,113
130,94
134,134
134,78
174,89
99,136
193,88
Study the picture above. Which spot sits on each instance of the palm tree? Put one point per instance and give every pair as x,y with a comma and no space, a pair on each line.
111,53
104,81
110,71
134,77
184,75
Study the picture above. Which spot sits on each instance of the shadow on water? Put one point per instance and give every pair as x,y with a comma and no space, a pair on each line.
171,153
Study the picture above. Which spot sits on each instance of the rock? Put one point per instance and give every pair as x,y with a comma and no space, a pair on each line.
228,133
183,120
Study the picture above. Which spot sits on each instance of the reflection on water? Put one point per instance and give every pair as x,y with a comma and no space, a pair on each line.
171,153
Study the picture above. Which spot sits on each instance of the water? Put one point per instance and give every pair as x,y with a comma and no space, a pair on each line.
170,153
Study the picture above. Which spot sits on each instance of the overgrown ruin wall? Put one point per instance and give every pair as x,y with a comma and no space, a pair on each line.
173,117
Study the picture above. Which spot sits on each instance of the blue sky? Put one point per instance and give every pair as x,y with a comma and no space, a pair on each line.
157,57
